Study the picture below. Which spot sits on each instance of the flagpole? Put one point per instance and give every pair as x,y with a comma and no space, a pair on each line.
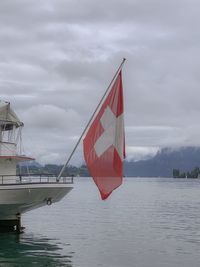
85,129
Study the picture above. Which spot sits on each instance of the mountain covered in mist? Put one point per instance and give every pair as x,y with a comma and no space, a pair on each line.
163,163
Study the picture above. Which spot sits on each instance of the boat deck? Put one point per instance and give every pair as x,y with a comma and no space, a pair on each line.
34,179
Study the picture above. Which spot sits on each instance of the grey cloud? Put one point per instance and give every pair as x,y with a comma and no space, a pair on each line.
57,57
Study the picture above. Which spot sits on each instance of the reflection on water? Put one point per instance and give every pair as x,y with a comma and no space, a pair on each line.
27,250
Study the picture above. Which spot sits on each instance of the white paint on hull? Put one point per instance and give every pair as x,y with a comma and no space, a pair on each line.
22,198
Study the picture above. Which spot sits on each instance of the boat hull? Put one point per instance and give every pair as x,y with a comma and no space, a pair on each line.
18,199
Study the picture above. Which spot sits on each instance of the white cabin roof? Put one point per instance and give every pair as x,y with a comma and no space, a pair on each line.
8,116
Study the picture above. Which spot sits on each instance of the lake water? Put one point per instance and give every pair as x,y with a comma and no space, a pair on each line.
146,222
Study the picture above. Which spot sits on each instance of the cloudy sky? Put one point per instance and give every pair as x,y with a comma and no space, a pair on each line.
58,56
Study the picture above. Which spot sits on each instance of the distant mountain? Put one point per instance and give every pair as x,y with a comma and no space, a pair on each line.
163,163
31,163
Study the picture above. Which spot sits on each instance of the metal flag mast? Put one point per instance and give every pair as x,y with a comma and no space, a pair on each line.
88,124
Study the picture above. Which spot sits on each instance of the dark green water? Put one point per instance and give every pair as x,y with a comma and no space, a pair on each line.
146,223
28,250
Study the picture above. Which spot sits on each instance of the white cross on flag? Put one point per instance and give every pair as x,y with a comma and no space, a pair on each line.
104,143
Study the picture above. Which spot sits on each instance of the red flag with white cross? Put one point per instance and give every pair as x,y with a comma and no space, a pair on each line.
104,143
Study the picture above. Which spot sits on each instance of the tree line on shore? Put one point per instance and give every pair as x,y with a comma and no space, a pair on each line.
195,173
52,169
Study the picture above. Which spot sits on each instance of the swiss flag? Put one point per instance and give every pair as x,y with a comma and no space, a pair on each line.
104,143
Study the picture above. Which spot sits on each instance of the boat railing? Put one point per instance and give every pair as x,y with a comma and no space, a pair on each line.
35,179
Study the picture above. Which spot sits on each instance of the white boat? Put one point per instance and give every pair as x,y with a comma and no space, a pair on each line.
18,193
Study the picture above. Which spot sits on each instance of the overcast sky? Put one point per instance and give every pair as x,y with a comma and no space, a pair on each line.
57,57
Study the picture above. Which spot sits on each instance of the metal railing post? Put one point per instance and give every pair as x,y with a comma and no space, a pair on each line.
47,179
